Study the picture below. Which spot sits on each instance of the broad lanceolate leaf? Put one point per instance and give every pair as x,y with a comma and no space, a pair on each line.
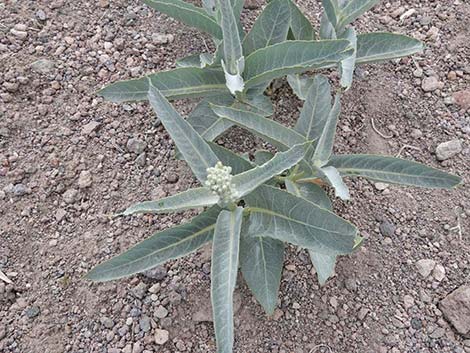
348,65
261,261
200,60
316,109
224,268
232,44
280,215
332,11
326,139
187,82
393,170
163,246
195,150
250,180
351,10
208,124
271,27
333,177
300,26
311,192
324,265
327,31
374,47
300,85
192,198
270,130
290,57
263,156
227,157
257,103
189,14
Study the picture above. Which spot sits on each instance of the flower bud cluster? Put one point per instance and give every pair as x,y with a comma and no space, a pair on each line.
219,181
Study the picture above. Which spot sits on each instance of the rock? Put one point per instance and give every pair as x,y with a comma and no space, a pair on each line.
107,322
161,312
408,301
439,273
416,133
416,323
70,196
158,273
361,315
381,186
448,149
252,4
159,38
144,323
456,309
172,178
136,145
462,99
41,15
43,66
431,84
11,87
437,333
32,312
425,267
85,179
387,228
141,159
18,33
103,3
161,336
60,214
139,290
351,284
90,127
20,190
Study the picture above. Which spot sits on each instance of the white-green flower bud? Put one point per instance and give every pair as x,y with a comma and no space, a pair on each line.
219,181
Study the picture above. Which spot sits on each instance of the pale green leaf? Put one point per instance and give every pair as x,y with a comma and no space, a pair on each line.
224,268
300,26
300,85
324,265
351,10
348,65
166,245
187,13
315,112
393,170
324,146
251,179
291,57
327,31
192,198
281,215
263,156
270,130
196,152
378,46
270,27
232,43
174,84
311,192
261,261
333,177
332,11
227,157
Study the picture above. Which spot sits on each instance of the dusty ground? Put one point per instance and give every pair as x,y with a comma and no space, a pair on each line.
54,224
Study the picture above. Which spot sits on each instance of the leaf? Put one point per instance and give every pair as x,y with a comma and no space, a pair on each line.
310,192
326,138
292,57
200,60
272,131
300,85
210,7
261,261
270,27
332,11
315,112
263,156
324,265
351,10
327,31
393,170
257,103
227,157
188,14
378,46
251,179
280,215
232,44
332,175
174,84
166,245
348,65
4,278
206,123
300,26
224,268
195,150
192,198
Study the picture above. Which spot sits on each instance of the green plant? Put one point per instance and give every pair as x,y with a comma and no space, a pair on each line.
252,208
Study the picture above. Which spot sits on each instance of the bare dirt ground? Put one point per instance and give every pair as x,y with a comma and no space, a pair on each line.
66,164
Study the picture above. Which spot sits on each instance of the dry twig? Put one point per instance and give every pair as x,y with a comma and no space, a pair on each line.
378,132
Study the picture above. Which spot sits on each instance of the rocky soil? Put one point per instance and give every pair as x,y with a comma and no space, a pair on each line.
69,160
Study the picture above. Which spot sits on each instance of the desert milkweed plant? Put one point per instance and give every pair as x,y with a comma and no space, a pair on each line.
252,208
